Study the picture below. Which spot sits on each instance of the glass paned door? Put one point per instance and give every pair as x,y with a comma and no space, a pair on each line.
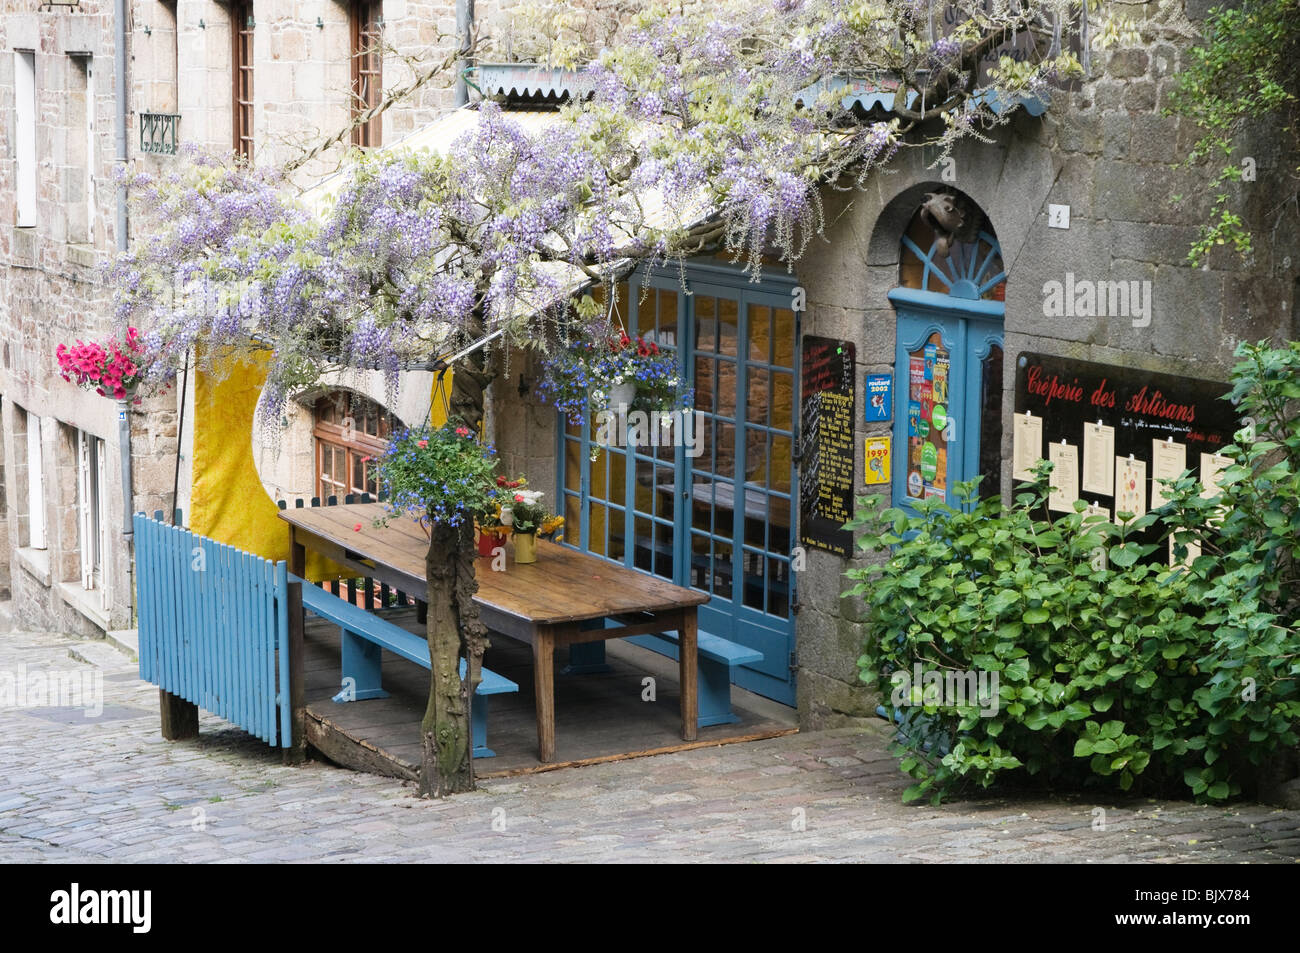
710,510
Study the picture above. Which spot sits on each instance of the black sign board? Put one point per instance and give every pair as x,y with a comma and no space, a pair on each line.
826,456
1141,406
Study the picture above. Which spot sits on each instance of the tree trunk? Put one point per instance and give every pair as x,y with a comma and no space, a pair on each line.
454,629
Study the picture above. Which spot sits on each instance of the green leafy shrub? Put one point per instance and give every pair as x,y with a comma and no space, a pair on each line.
1110,671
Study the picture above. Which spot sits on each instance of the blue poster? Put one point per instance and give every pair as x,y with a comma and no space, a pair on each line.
878,402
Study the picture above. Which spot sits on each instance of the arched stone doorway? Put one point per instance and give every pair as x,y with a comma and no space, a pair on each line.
949,355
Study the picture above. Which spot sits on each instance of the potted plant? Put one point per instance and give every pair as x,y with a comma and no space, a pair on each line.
524,513
437,475
492,530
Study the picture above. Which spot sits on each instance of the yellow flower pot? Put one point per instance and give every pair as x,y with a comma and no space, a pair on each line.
525,547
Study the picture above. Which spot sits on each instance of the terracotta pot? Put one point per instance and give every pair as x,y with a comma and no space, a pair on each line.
525,547
488,541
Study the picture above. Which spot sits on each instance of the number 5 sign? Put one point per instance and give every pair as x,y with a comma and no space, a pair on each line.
876,466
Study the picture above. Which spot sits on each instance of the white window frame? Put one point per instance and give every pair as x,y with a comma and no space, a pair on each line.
35,485
25,138
93,513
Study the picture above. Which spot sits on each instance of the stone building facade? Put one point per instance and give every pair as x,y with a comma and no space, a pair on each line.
70,567
1104,150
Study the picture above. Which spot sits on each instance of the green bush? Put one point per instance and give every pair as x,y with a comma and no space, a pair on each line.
1117,671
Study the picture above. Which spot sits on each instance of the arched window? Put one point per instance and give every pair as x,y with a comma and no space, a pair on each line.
948,370
350,431
967,269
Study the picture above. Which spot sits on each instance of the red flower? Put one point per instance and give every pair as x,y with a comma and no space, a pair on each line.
462,431
357,528
519,497
422,444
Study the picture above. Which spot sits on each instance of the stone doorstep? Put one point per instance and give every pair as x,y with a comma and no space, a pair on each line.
126,641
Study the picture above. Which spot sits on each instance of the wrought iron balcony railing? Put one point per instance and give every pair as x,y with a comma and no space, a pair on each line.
158,133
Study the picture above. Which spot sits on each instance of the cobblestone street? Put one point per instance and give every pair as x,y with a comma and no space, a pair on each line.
110,789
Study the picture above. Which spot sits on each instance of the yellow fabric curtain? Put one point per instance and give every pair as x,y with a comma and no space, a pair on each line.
227,500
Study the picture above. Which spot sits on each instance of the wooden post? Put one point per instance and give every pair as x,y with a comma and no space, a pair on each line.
296,753
180,719
297,558
687,664
544,691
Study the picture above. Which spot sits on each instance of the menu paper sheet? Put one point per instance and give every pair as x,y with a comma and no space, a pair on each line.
1212,465
1098,457
1065,477
1168,461
1027,446
1130,486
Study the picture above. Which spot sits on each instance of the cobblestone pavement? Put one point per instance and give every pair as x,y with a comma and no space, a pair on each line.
110,789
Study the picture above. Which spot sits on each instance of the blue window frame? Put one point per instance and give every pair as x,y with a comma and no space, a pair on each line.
666,512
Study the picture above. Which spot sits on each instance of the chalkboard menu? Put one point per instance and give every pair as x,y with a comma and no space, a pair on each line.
826,455
1113,432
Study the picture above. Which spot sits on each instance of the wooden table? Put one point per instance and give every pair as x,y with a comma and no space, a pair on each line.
562,599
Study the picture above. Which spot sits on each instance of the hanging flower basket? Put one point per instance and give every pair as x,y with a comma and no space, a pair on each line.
112,369
622,373
441,475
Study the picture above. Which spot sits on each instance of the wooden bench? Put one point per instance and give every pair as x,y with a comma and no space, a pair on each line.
718,656
366,635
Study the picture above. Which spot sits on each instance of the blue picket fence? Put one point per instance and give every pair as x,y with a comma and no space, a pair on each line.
214,627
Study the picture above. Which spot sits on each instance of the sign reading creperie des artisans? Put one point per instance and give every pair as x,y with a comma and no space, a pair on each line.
1133,409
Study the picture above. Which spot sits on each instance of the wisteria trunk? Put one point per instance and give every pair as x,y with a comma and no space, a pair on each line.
454,631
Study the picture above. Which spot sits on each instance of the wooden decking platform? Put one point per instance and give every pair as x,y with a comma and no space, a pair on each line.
598,717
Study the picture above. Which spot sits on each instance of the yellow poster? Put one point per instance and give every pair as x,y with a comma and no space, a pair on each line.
876,466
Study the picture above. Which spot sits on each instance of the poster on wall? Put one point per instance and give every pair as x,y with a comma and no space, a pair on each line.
879,403
876,461
826,457
1134,426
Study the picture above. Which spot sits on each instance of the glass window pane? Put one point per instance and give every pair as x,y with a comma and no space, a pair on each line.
706,324
728,319
572,532
665,329
760,334
927,419
783,337
991,423
597,520
758,395
782,401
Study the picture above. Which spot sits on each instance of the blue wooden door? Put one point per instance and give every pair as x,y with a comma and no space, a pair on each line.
715,516
948,377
